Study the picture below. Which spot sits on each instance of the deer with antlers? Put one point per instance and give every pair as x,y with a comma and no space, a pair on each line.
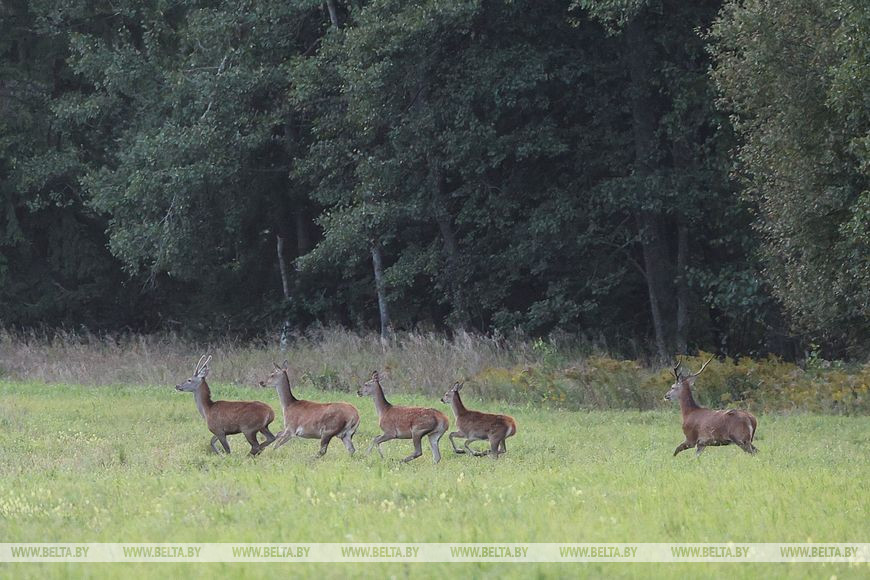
311,420
706,427
477,426
404,422
228,417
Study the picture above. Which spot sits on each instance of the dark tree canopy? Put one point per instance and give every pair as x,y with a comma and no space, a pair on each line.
532,166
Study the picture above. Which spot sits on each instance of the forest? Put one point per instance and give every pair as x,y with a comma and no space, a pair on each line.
681,175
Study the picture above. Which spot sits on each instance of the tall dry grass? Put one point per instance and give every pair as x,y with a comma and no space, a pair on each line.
327,358
557,373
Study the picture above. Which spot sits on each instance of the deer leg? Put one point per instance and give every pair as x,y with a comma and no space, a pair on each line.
418,447
700,449
503,447
494,445
251,436
269,437
223,440
472,451
324,444
748,448
376,443
213,446
452,442
682,447
348,437
434,439
348,442
283,437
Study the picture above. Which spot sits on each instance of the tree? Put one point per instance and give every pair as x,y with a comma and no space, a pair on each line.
794,77
54,267
532,166
675,178
184,114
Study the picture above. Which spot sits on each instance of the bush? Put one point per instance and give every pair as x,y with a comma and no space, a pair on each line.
602,382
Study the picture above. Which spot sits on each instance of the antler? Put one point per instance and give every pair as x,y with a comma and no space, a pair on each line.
676,369
704,366
204,365
199,365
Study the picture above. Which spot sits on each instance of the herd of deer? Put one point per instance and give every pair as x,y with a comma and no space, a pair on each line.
324,421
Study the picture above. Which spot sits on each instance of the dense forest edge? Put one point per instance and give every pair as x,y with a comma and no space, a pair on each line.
648,177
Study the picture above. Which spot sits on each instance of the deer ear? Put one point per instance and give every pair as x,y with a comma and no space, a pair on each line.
203,372
286,364
457,386
375,375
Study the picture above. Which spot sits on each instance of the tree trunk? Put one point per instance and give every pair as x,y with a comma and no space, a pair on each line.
383,307
285,283
650,223
451,250
333,12
650,256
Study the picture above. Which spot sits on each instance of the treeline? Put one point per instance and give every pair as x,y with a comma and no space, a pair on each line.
679,174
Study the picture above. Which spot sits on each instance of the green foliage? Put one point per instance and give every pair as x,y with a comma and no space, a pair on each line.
794,78
54,267
326,379
523,167
424,131
192,141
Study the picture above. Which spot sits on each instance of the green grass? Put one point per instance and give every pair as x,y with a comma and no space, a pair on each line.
132,464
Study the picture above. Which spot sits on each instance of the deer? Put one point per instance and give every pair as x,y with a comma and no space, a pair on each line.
311,420
477,426
404,422
706,427
228,417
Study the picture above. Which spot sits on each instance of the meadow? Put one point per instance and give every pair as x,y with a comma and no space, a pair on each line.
130,462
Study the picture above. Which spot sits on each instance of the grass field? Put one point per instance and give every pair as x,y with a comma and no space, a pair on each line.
128,463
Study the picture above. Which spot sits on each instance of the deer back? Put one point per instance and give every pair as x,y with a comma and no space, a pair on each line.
311,419
232,417
408,420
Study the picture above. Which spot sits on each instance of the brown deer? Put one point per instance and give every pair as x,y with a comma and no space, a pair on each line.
228,417
706,427
404,422
476,426
311,420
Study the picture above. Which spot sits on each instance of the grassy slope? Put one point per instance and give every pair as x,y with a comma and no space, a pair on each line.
106,464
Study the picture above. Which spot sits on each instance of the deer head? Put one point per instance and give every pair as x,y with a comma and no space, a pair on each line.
370,386
274,376
681,381
200,371
451,393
